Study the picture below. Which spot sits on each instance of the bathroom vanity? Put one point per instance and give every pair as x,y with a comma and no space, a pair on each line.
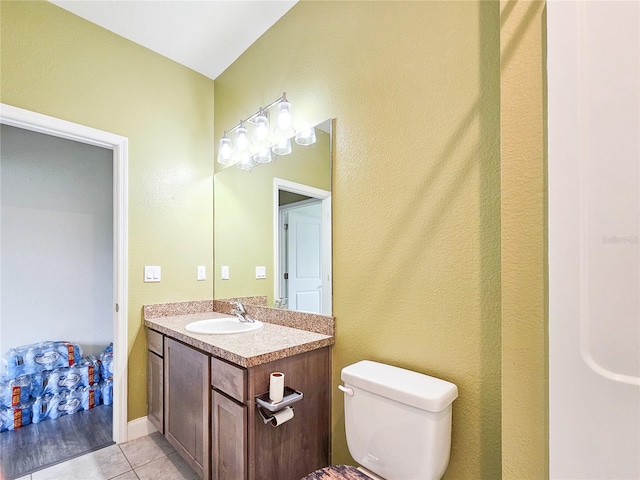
202,390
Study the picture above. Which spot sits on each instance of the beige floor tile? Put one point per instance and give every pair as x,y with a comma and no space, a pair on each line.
171,467
127,476
102,464
146,449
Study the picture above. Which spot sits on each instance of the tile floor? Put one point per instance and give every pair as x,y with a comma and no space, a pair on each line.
146,458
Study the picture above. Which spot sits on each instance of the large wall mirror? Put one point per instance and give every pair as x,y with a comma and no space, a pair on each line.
272,228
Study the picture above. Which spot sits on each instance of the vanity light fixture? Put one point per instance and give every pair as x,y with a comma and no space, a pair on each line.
307,136
261,145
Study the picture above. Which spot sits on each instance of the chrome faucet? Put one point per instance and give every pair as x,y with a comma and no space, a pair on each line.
241,312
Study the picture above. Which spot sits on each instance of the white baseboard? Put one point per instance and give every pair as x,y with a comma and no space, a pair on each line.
139,427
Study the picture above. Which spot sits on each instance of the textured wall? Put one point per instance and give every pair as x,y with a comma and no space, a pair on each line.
414,88
57,241
525,435
57,64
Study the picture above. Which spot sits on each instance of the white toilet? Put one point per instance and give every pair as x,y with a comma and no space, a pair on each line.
398,424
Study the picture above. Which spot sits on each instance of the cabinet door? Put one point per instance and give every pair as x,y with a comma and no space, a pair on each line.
294,449
186,400
155,390
229,427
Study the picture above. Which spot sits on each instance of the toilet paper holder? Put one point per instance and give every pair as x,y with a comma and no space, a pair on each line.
268,409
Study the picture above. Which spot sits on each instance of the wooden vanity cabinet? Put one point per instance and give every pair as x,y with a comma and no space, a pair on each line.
186,400
155,379
209,416
243,446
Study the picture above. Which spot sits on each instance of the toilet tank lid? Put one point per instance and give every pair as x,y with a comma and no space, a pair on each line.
401,385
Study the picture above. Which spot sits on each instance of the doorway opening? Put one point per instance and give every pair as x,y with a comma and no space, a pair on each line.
116,288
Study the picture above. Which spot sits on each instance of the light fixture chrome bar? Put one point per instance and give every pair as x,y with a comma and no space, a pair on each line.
251,117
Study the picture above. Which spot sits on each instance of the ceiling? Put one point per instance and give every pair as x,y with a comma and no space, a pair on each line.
204,35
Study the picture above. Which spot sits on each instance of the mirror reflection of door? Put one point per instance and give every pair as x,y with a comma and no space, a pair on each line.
301,252
302,247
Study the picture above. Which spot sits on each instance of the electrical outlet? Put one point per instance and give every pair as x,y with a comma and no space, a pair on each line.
202,272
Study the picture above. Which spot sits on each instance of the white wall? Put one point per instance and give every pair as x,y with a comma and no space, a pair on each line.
56,241
594,246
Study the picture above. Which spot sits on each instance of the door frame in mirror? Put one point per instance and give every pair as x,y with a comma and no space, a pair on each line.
325,197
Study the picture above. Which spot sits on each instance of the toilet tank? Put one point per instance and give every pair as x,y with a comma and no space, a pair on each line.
398,422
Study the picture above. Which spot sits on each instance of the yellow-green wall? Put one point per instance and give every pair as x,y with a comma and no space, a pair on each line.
525,436
55,63
415,90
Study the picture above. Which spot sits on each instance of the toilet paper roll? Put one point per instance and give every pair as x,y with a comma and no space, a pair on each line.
282,416
276,387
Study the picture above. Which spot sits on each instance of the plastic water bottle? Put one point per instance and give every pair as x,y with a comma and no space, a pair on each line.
107,391
91,370
12,418
12,363
15,391
63,378
38,383
106,359
90,396
44,408
66,403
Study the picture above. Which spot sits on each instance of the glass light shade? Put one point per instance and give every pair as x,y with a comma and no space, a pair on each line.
224,151
245,161
261,129
263,155
283,147
306,137
242,141
284,115
283,122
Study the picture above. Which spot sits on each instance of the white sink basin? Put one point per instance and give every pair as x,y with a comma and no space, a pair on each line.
222,326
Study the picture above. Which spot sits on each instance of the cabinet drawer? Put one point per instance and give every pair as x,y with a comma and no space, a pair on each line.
154,342
228,378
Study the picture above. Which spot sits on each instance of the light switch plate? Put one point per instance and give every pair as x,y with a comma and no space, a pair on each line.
261,272
202,272
225,272
152,273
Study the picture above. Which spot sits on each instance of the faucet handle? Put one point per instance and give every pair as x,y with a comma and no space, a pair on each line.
239,307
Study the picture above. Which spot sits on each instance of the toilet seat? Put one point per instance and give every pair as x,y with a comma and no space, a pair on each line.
338,472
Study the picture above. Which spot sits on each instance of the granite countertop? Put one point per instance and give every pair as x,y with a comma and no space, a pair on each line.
271,342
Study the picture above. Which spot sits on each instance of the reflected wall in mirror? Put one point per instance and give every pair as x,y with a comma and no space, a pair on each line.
251,210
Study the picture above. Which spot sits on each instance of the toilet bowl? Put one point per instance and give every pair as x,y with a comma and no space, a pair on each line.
398,424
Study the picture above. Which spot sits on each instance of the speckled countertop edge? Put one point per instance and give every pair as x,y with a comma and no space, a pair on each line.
271,342
177,308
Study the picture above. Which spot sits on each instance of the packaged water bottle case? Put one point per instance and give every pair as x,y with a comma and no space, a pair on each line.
46,380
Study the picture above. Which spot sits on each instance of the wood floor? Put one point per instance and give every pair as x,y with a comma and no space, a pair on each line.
36,446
